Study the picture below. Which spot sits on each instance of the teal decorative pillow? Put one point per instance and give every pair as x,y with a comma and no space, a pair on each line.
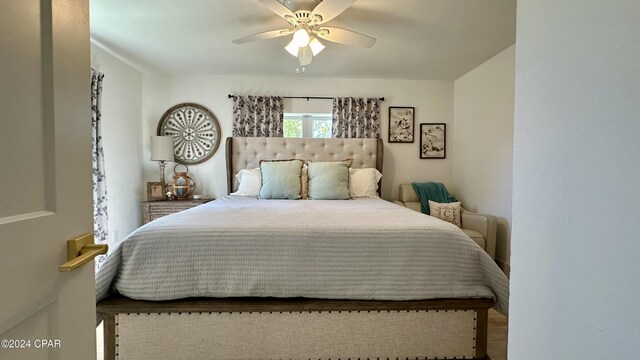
328,180
281,179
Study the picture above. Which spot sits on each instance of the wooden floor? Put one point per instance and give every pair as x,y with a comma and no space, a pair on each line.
497,336
496,343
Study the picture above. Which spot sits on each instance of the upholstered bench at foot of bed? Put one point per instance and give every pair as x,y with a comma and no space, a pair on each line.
296,328
481,228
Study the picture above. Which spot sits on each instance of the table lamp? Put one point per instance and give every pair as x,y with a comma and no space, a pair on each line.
162,150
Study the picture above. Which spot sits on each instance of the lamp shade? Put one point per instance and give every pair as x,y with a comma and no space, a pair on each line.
316,46
301,37
292,48
162,148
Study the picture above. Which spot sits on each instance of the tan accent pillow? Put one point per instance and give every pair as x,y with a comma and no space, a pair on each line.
305,181
449,212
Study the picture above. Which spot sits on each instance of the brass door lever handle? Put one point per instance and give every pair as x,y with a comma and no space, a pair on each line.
80,251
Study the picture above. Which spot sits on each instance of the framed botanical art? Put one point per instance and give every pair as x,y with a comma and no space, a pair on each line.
401,124
155,191
433,141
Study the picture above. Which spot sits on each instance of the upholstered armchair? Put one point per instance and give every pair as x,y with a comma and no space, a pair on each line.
481,228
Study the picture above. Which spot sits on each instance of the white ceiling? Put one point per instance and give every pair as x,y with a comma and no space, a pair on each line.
417,39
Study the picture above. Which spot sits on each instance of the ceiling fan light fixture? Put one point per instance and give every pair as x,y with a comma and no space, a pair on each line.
316,46
305,56
292,48
301,38
306,19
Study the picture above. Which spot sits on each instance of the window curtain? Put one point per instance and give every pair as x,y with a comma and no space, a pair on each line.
356,118
260,116
101,234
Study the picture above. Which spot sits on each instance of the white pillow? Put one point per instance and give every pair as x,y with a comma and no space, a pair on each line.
449,212
250,182
363,183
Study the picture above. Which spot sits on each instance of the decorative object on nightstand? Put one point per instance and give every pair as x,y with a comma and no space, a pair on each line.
162,150
181,184
155,191
196,130
152,210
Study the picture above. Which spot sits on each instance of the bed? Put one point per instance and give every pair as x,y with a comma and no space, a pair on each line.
246,278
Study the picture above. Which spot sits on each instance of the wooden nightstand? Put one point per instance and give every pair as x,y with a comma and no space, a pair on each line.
152,210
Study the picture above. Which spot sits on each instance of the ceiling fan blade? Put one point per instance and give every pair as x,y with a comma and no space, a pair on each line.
305,55
263,36
278,8
344,36
329,9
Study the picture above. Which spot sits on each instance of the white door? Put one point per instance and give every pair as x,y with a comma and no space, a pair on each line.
45,179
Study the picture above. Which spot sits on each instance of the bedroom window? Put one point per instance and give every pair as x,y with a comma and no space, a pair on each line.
307,125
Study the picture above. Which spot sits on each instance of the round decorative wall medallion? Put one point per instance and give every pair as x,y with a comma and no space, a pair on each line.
195,130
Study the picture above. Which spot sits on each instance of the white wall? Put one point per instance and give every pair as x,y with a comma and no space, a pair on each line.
483,145
122,137
154,92
576,203
433,101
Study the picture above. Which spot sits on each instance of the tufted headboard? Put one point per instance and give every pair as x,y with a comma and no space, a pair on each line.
246,152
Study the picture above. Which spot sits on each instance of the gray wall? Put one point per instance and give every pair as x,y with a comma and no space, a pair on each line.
576,203
483,146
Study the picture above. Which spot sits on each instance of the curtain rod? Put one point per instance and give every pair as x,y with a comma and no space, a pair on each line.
231,96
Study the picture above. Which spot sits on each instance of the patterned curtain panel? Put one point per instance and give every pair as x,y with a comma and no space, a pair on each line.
260,116
99,180
356,118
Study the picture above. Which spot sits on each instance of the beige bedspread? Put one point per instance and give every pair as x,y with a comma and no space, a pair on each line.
339,249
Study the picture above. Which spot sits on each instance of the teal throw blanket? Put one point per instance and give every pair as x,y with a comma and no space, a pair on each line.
433,191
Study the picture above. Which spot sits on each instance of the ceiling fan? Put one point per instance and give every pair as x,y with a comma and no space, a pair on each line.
306,18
